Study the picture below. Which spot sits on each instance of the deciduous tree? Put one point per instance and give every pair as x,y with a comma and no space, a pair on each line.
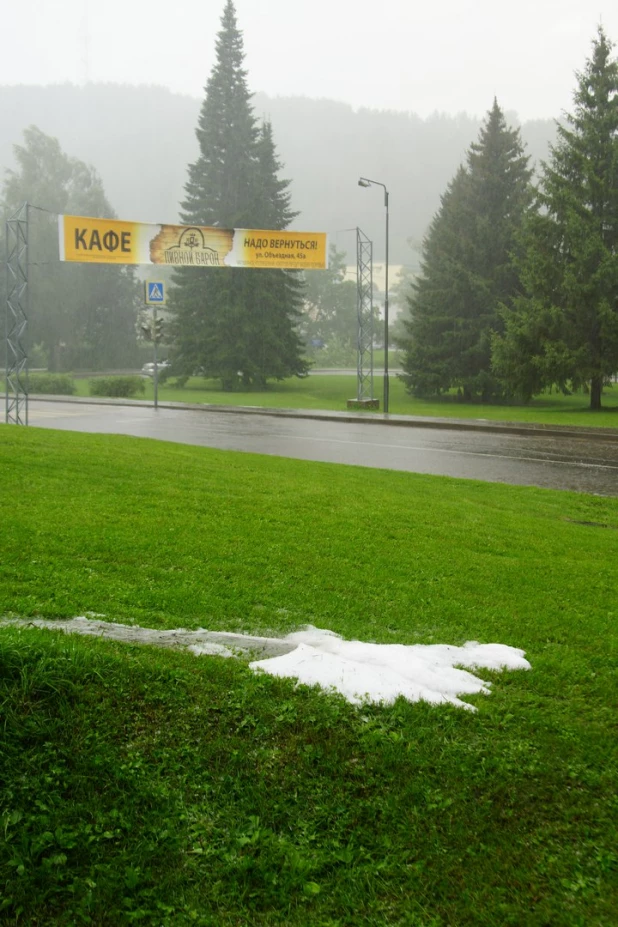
330,311
80,316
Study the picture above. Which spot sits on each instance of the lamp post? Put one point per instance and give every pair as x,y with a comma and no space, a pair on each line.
365,182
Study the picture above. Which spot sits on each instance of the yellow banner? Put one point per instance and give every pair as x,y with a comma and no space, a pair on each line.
113,241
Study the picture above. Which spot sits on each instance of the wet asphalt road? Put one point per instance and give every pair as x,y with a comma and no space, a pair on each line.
583,464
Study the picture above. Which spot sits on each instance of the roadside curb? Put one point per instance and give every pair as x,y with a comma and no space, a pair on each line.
375,418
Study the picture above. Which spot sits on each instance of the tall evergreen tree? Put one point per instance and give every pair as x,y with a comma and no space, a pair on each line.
80,316
432,344
467,270
235,323
272,345
564,331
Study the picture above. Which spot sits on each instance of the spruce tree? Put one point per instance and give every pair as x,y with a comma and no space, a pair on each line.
235,324
431,345
564,330
467,270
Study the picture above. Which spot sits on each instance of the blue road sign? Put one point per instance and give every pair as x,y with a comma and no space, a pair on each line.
155,293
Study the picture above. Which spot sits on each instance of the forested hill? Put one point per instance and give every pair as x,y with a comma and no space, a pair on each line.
140,139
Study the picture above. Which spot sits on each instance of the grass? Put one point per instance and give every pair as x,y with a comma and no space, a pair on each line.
331,392
146,786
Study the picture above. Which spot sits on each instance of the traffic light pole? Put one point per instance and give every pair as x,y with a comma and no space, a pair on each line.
154,295
155,339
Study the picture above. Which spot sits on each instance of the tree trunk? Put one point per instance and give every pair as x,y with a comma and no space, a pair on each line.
596,386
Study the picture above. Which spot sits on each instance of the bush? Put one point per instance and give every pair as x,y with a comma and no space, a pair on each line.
116,386
56,384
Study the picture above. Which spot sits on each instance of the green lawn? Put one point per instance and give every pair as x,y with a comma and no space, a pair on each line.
153,787
330,392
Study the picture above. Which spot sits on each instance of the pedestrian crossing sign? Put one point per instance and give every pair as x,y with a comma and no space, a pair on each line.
155,293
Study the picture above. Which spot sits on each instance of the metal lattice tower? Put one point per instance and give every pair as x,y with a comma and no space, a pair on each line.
364,304
17,317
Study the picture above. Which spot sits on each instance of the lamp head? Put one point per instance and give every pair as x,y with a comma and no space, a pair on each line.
363,183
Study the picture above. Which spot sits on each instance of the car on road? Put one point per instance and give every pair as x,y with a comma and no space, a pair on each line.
149,369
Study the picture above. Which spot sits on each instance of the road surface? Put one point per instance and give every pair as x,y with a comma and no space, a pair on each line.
584,464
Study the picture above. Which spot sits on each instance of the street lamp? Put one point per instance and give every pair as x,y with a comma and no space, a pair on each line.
365,182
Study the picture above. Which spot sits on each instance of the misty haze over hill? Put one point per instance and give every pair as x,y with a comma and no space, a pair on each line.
141,139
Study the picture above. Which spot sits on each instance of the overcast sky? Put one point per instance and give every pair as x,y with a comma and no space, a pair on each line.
442,55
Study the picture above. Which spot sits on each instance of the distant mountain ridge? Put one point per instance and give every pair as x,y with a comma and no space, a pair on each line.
141,139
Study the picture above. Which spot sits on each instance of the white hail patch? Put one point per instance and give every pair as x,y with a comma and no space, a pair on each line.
364,672
361,672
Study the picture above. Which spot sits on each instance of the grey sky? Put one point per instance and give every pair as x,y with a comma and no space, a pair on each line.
444,55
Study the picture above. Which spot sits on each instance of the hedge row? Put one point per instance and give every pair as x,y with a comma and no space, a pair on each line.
54,384
116,386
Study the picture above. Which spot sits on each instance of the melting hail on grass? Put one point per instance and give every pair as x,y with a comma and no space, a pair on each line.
361,672
382,672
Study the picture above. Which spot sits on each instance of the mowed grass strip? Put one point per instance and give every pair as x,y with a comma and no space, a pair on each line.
148,786
330,392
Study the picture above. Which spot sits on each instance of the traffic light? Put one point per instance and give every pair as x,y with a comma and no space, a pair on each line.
158,330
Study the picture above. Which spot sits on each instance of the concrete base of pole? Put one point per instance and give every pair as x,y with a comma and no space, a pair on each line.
363,404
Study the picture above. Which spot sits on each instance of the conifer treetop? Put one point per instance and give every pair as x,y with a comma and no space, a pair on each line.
219,188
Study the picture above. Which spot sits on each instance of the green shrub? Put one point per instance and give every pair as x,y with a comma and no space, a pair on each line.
56,384
116,386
